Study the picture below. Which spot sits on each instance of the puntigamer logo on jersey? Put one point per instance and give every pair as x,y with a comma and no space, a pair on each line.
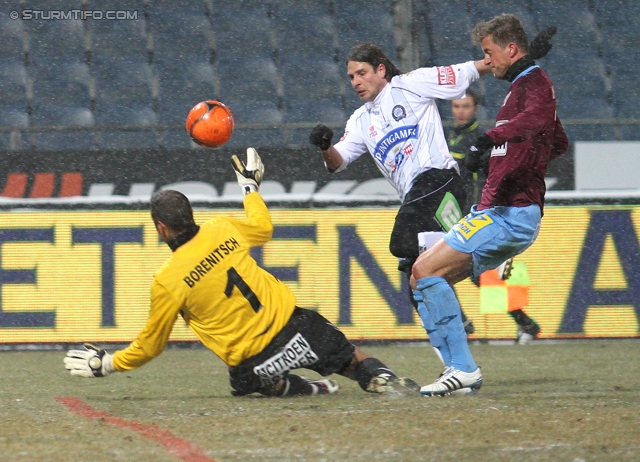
392,139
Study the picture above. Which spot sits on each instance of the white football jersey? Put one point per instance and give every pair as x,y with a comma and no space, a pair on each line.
402,129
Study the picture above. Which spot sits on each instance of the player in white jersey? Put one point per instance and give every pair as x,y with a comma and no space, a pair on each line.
399,125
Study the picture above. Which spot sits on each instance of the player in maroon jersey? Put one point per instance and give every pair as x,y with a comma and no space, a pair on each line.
505,223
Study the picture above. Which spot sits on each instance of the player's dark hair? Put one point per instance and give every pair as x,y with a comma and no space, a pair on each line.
503,29
372,54
173,209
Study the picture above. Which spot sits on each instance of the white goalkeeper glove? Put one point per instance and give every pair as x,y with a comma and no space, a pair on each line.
93,361
249,175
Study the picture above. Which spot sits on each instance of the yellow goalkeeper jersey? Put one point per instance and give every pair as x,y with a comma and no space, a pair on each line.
234,307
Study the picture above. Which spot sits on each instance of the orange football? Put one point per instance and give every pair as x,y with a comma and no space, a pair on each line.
210,123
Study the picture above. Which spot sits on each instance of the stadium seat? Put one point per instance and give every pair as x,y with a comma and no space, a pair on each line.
116,5
257,124
619,22
116,118
13,84
486,10
61,83
242,29
577,33
451,26
243,80
56,40
590,132
181,85
63,116
365,21
561,62
118,39
13,116
12,38
176,138
626,97
123,81
192,41
494,93
176,7
300,86
294,41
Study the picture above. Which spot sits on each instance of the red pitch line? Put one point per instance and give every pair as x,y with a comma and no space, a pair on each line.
176,446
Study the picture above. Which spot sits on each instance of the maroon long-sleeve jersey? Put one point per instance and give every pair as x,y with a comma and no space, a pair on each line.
529,135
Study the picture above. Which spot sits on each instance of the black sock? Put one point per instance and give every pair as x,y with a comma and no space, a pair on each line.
368,369
521,318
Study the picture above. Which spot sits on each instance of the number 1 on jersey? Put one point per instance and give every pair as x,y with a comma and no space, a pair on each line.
235,280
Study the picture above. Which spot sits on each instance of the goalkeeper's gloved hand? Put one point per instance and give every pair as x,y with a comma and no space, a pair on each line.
93,361
541,44
321,137
474,156
249,175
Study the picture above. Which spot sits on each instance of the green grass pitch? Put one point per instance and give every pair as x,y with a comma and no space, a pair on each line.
563,401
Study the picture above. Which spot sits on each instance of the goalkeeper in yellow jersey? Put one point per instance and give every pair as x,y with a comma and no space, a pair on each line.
238,310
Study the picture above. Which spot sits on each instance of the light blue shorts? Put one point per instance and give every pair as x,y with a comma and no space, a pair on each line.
494,235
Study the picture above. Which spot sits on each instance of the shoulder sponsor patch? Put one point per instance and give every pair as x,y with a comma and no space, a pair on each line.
446,76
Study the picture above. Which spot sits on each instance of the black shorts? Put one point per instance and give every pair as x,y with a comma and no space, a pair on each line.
307,341
418,210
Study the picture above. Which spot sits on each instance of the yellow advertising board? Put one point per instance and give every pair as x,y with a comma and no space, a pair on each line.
73,276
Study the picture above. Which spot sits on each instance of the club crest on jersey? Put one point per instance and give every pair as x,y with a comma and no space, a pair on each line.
394,139
398,113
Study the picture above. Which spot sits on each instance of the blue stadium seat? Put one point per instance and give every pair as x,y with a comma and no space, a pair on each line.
619,22
13,116
494,93
451,26
122,81
115,117
63,116
577,85
12,38
583,107
629,132
116,5
242,29
300,86
177,7
590,132
257,124
365,21
560,62
191,41
576,25
626,95
56,40
61,83
181,85
486,10
293,39
176,138
115,39
242,80
13,84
